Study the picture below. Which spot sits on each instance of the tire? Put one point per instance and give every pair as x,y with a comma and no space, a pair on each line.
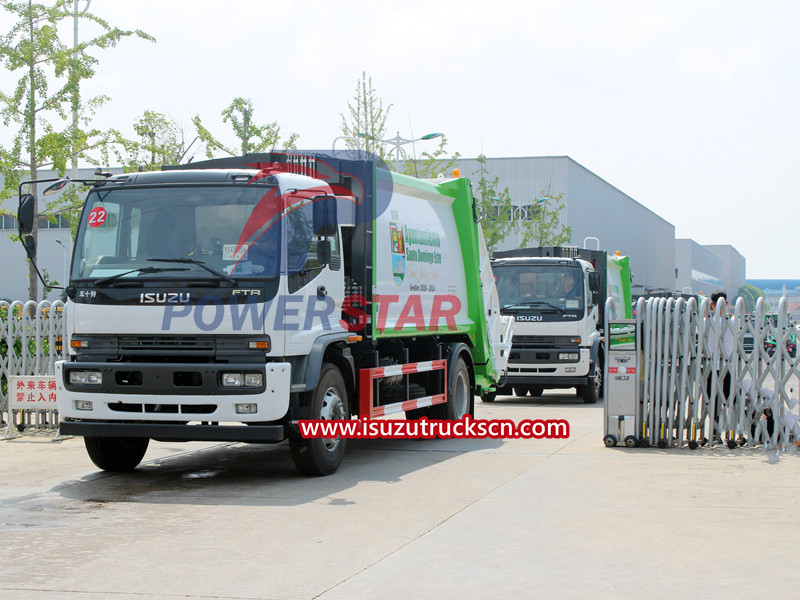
116,454
489,397
536,390
593,391
460,401
322,456
521,391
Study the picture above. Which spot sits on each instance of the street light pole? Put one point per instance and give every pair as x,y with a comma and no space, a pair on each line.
66,262
398,142
75,98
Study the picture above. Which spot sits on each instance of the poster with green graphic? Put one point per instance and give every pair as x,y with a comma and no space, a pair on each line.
619,288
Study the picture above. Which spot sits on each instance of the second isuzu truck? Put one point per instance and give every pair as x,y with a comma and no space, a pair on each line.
557,297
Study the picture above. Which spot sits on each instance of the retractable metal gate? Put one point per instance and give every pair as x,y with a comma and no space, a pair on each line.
710,378
30,343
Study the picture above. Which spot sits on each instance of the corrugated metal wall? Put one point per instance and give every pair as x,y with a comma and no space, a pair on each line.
734,274
596,208
698,268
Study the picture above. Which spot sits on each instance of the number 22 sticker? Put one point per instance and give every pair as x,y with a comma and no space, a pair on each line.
97,216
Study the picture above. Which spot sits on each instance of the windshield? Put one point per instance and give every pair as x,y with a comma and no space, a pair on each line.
210,232
544,287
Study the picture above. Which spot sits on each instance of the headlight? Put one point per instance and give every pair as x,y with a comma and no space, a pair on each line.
245,380
85,377
232,379
567,356
252,380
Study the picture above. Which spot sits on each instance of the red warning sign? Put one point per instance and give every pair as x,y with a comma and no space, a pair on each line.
97,216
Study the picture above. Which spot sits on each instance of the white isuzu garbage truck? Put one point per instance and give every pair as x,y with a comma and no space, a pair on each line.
226,300
557,297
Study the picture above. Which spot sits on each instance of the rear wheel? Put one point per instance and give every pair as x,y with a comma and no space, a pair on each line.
520,391
118,454
322,456
460,401
536,390
489,397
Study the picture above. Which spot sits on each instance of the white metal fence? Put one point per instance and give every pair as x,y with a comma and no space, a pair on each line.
717,377
30,343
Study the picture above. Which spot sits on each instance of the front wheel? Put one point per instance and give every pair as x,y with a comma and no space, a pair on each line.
117,454
322,456
592,392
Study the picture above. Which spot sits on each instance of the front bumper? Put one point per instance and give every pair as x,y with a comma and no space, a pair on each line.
168,432
158,392
541,366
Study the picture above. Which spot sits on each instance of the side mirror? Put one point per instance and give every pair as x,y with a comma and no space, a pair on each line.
56,187
324,252
325,221
25,214
30,246
594,281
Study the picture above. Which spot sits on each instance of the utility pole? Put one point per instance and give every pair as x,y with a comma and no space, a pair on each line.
75,94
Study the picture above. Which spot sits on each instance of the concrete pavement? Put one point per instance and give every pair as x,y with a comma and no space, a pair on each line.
402,518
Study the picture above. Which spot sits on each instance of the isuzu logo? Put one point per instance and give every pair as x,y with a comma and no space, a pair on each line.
165,298
528,318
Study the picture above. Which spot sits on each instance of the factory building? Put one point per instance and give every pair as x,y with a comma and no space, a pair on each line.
594,208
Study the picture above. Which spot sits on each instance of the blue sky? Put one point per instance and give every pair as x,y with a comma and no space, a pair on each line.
690,107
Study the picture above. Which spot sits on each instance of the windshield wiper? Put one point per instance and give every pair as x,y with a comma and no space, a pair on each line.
199,263
140,270
304,272
536,303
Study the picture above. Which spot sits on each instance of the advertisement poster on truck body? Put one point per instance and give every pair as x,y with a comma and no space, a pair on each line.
419,268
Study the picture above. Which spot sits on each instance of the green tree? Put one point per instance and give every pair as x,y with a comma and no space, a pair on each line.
160,140
365,123
751,294
544,227
251,137
541,227
495,207
48,87
431,164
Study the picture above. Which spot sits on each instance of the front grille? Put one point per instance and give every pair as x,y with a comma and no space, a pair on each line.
141,344
186,409
191,348
534,342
